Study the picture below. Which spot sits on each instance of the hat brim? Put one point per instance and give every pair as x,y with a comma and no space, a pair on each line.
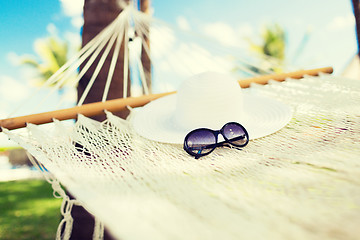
155,120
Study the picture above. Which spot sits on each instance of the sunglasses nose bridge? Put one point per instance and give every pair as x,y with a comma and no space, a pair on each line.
217,134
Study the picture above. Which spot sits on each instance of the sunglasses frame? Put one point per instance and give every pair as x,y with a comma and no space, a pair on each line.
216,144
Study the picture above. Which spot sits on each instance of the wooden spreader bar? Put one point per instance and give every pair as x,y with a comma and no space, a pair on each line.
94,109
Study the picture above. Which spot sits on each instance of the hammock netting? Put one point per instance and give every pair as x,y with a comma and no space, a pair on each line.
301,182
174,55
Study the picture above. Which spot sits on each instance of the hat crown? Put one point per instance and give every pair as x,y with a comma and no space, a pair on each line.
209,100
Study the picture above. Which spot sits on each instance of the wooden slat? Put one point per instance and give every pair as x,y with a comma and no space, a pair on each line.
264,79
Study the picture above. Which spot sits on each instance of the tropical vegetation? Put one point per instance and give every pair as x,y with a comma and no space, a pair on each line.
28,210
271,46
52,53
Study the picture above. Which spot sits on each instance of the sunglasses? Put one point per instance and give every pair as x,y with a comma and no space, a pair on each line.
202,141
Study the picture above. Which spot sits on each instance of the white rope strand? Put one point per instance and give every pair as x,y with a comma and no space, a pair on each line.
66,224
126,60
98,47
99,66
69,68
113,65
142,75
141,32
98,230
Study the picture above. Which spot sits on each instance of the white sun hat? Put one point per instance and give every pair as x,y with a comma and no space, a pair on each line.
209,100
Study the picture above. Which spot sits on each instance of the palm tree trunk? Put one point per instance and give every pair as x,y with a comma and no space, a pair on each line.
356,9
145,58
97,15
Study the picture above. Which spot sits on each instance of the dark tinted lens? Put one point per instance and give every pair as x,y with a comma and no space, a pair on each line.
200,141
236,134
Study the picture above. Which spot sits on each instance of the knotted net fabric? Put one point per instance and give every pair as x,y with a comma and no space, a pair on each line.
302,182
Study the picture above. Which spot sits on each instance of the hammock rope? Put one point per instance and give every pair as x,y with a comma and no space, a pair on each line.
101,43
307,172
299,183
94,109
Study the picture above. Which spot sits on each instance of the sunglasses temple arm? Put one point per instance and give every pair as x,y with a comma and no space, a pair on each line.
233,139
198,154
206,147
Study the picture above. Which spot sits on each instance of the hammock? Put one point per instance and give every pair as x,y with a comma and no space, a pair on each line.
301,182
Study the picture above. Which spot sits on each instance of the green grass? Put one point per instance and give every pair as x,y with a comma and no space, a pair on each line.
28,210
3,149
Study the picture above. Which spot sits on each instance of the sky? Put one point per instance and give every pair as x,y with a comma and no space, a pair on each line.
329,28
330,25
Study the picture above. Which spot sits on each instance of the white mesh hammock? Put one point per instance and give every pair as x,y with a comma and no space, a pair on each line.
302,182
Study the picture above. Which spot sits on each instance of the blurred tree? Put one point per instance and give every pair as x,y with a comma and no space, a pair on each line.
356,9
272,46
97,15
52,54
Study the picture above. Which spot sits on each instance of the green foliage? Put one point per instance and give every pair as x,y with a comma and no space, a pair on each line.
4,149
274,42
28,210
272,45
52,54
